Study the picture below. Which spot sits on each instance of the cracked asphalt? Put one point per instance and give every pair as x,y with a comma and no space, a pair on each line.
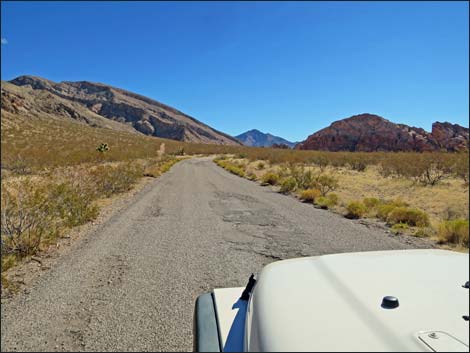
130,285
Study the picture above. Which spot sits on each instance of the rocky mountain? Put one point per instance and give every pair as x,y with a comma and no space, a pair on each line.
256,138
101,105
368,132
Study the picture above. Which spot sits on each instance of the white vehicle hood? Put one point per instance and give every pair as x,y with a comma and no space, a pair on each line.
333,303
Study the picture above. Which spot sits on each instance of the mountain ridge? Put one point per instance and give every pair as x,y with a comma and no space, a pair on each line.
143,114
256,138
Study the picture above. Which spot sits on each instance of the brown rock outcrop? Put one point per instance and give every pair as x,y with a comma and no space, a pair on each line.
368,133
451,137
90,102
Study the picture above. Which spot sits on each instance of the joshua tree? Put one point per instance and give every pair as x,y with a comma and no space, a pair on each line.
103,148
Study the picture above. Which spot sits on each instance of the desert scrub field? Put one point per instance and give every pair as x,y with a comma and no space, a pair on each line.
56,174
413,193
37,209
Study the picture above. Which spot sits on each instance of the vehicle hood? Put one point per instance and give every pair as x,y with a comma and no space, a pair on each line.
334,303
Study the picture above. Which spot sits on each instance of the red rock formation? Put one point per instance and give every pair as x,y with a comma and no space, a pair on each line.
451,137
368,133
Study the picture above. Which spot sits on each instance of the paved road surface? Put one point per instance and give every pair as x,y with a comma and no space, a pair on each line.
131,285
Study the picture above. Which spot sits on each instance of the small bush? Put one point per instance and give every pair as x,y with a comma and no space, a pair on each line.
333,199
270,179
422,232
310,195
8,261
24,219
452,213
110,180
399,228
251,176
321,162
454,231
260,166
358,165
410,216
326,184
371,202
462,168
304,179
326,202
72,204
356,209
322,202
384,209
287,185
235,170
167,164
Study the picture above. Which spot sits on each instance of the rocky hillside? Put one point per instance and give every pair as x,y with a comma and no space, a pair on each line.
101,105
256,138
368,132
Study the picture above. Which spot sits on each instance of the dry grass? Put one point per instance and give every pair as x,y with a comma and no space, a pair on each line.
418,207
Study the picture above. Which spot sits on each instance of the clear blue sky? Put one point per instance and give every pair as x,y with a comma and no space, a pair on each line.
285,68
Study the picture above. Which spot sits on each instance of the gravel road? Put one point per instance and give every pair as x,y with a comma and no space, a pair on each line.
130,285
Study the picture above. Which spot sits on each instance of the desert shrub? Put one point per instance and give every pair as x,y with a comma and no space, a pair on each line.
24,218
304,179
386,170
320,161
167,163
235,170
333,199
462,168
310,195
156,167
327,202
326,183
454,231
358,165
410,216
72,204
356,209
18,165
399,228
110,180
424,168
322,202
287,185
270,178
179,152
451,213
251,176
260,166
384,208
221,158
152,170
422,232
371,202
284,171
8,261
431,174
